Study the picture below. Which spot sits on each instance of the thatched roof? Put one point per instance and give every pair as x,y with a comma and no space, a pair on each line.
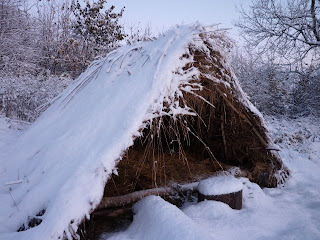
175,94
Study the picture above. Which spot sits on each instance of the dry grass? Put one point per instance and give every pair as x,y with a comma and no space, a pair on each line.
225,133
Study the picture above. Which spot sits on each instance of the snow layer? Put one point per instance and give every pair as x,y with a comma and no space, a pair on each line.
10,130
157,219
220,185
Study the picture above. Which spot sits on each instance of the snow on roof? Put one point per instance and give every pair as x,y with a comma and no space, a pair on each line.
68,154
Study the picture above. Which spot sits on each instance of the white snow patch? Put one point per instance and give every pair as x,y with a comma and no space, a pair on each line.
220,185
10,130
157,219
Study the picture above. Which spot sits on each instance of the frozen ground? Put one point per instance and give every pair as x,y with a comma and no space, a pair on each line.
290,212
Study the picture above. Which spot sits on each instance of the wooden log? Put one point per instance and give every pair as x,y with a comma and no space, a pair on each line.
131,198
112,212
234,200
227,189
124,200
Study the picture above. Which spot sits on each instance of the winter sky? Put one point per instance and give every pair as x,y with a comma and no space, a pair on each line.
161,15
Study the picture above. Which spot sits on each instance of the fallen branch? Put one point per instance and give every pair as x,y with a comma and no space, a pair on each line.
120,201
131,198
14,200
112,212
13,182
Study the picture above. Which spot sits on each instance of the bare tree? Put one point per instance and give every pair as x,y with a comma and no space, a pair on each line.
43,42
58,51
73,33
289,30
290,27
267,83
18,41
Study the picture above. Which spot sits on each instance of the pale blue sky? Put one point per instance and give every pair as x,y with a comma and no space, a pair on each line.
161,14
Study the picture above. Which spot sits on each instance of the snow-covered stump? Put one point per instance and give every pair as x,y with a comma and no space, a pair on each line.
227,189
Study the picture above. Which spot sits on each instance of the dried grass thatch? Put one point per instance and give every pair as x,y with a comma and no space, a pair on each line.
225,131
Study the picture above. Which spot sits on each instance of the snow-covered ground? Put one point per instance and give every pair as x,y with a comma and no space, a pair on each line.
288,212
10,130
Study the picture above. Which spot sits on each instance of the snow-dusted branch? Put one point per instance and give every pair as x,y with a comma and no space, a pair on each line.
290,26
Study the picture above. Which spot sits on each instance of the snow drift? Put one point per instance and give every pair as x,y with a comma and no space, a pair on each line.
170,223
61,164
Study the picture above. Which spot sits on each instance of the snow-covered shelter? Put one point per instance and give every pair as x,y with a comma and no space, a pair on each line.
146,115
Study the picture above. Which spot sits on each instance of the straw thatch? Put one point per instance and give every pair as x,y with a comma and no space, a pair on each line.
226,131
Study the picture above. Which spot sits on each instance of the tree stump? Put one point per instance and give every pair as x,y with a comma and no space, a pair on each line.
226,189
234,200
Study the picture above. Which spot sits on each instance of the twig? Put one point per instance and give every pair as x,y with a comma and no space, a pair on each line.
245,118
222,132
13,182
145,61
200,97
130,198
207,148
135,48
14,200
124,200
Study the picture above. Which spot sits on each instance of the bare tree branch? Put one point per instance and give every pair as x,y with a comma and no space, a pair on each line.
290,26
